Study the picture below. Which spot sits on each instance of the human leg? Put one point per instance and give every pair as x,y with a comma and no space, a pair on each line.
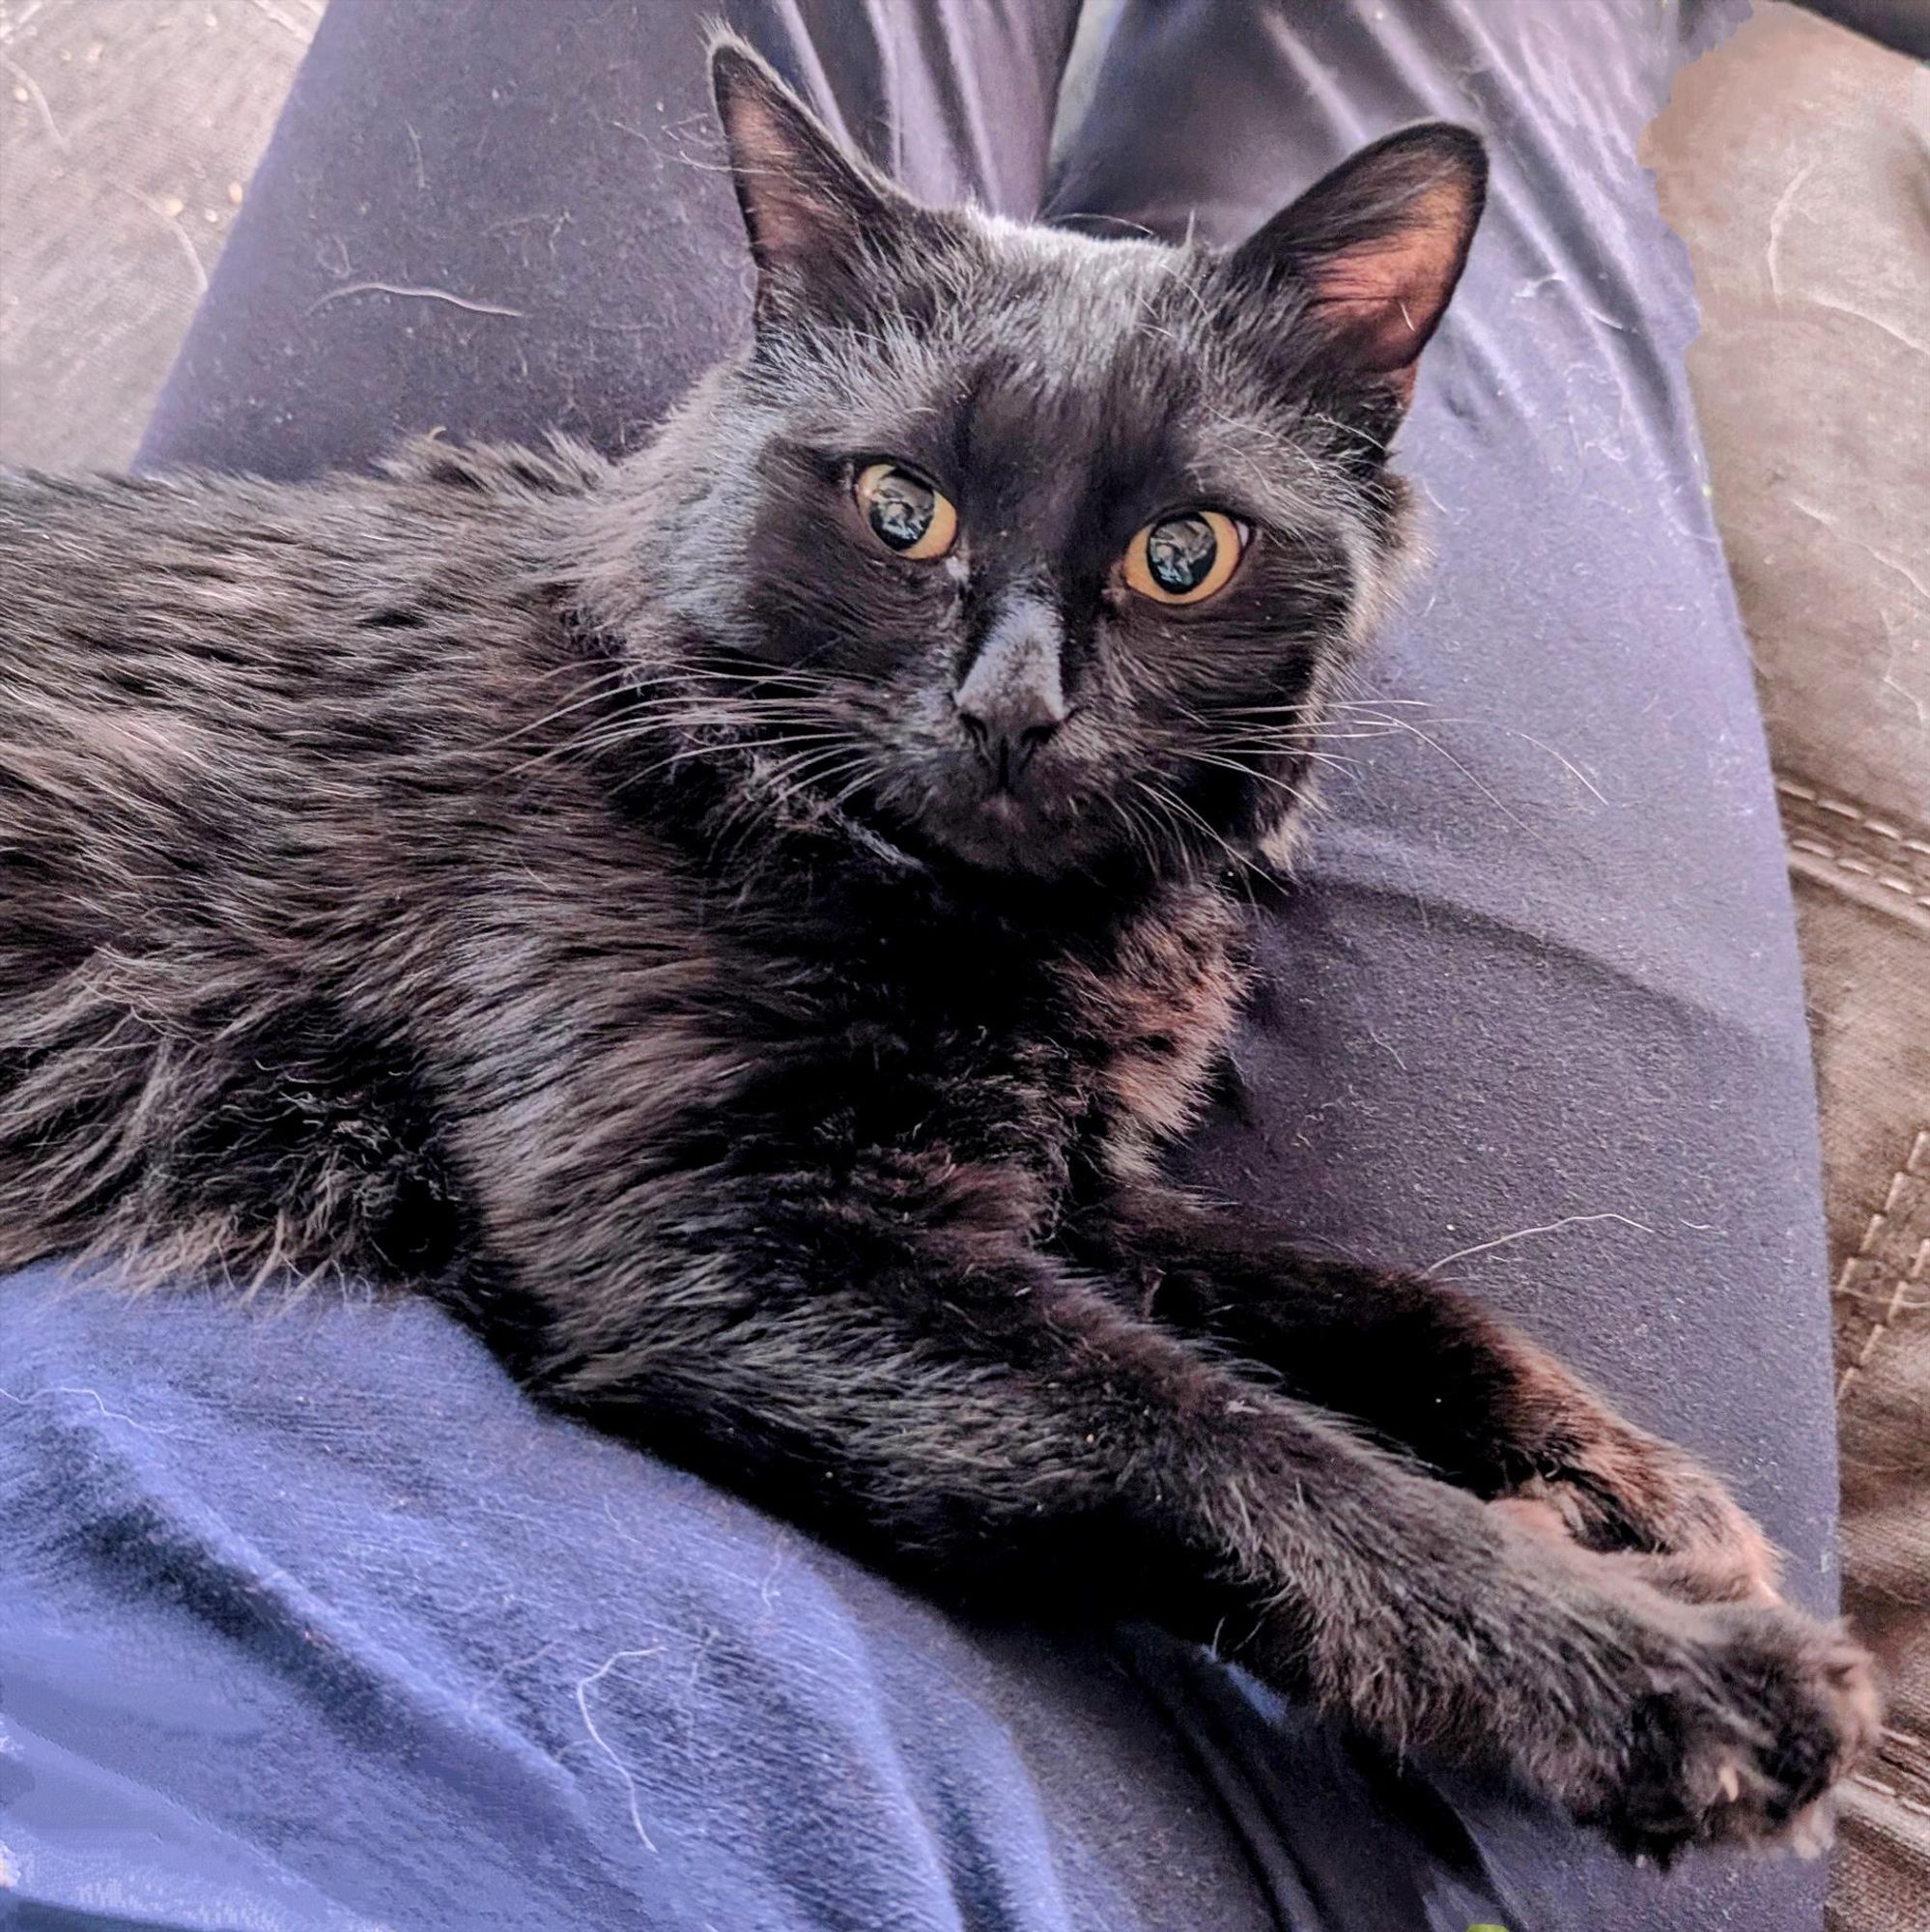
503,219
1535,1018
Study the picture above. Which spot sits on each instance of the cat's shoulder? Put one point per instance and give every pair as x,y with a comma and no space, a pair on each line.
424,477
562,466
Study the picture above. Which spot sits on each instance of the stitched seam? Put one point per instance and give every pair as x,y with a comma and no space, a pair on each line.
1818,849
1897,1309
1838,808
1890,1792
1914,1168
1881,1281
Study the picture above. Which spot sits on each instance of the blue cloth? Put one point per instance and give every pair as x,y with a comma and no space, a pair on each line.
309,1618
313,1621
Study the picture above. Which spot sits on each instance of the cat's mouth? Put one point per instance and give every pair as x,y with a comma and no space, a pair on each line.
1003,829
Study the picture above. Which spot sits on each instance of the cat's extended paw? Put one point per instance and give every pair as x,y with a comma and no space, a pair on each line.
1739,1566
1739,1735
1634,1495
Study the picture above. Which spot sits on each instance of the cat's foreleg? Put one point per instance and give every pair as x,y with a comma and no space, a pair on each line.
1005,1426
1420,1364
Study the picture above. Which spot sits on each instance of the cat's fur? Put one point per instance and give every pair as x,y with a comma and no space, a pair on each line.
569,890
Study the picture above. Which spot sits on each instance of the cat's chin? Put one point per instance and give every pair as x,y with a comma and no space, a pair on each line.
1005,833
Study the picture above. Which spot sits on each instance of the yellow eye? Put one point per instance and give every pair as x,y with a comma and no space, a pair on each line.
1184,559
905,513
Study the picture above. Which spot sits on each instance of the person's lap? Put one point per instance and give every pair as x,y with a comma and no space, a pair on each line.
548,182
1534,1014
1539,989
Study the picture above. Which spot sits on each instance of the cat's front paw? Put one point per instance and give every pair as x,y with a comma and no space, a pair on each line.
1637,1497
1737,1733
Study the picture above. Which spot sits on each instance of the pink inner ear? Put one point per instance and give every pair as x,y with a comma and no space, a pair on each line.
797,191
1388,294
784,215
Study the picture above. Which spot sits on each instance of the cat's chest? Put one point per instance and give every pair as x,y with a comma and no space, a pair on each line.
1015,1052
1157,1019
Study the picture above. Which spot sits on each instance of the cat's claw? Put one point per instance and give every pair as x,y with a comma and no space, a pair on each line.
1740,1742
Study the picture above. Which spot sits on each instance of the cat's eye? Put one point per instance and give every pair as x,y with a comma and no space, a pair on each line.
905,513
1184,559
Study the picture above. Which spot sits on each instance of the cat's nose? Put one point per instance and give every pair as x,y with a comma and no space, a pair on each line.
1013,697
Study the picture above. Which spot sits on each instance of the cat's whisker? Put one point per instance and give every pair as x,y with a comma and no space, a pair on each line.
1179,813
749,730
1265,748
1567,764
808,771
781,770
601,688
1441,750
1245,771
690,753
1143,835
767,673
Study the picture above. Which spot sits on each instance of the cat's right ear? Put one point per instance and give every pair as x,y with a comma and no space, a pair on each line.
820,223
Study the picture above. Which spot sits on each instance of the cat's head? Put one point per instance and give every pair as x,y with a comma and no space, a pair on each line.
1035,551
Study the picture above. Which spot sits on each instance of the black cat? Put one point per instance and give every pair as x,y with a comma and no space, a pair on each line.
740,926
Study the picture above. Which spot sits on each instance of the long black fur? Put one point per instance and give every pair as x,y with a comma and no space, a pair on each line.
572,891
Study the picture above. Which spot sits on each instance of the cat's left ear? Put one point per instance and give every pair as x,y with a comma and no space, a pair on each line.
820,223
1376,247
